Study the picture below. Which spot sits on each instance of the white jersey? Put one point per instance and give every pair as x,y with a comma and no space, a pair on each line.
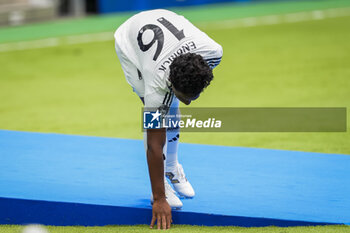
150,41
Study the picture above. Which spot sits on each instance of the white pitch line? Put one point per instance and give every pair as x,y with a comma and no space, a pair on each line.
223,24
277,19
35,44
250,22
88,38
317,15
297,17
271,19
56,41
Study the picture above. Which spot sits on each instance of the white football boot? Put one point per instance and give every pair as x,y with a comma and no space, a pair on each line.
178,178
170,195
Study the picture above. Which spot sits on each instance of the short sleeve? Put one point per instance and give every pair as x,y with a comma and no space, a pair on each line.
159,101
214,57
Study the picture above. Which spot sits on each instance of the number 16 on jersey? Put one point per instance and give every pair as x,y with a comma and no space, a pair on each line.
158,36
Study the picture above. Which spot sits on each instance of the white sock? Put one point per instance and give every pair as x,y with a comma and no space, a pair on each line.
172,136
172,147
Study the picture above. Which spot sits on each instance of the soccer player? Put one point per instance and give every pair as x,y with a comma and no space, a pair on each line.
165,59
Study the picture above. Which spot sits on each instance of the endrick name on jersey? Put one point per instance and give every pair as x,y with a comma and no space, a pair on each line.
186,48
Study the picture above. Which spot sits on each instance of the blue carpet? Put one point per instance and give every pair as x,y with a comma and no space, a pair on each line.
78,180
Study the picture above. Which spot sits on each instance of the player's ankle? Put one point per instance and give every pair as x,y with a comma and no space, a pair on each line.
171,166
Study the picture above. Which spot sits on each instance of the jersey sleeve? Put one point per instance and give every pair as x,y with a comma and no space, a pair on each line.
213,56
159,101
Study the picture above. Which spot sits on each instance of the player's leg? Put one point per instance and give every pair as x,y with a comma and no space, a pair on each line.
173,135
173,169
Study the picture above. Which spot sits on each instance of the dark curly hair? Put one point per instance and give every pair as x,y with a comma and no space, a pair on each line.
190,74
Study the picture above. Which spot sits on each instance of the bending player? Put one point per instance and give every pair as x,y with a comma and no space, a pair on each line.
165,59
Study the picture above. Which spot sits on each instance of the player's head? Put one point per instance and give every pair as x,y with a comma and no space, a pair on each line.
189,75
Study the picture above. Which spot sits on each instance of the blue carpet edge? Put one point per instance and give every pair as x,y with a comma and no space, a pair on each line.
25,211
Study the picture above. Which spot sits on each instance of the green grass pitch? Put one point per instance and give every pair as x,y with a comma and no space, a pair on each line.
80,89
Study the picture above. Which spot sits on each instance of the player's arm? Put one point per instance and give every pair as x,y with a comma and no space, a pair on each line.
161,209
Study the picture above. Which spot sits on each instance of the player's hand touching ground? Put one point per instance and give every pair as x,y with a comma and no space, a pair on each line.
161,213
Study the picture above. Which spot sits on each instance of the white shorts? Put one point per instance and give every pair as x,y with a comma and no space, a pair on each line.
132,75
